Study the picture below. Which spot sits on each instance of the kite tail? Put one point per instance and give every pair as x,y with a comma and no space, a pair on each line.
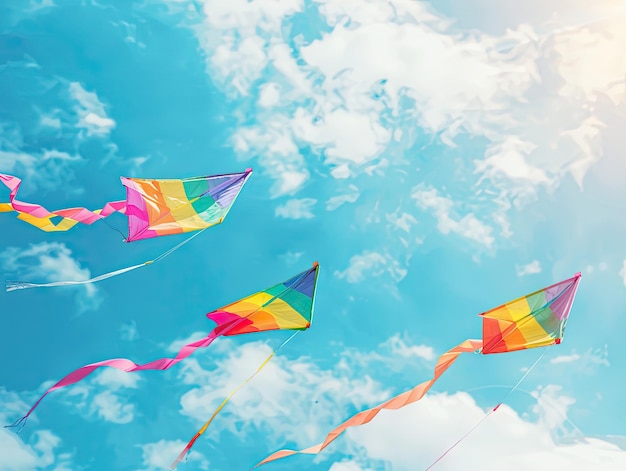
15,285
404,399
187,448
454,445
38,216
121,364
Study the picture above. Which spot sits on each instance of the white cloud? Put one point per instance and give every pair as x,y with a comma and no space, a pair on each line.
269,95
277,152
505,440
403,221
565,359
296,209
622,273
17,455
175,346
468,226
290,257
347,465
400,348
371,264
586,363
159,455
291,397
355,92
111,408
335,202
104,395
43,168
129,331
51,262
394,354
91,111
115,379
531,268
295,400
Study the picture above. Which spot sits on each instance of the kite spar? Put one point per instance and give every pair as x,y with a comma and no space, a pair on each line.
535,320
285,306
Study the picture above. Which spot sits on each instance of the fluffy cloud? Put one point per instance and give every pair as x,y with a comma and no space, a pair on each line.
111,408
531,268
274,400
468,226
297,209
505,440
92,116
50,262
41,450
379,83
104,395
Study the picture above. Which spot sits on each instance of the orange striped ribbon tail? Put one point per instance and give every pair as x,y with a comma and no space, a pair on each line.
397,402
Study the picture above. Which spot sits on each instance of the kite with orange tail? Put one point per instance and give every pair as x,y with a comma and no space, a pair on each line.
154,208
535,320
285,306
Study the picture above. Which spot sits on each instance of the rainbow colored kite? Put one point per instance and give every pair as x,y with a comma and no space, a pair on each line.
534,320
285,306
293,300
154,208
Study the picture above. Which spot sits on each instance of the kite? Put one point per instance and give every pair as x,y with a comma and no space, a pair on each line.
285,306
535,320
153,208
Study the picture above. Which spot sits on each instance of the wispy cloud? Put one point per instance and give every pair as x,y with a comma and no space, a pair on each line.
468,226
565,358
371,264
393,355
40,168
91,111
335,202
531,268
622,273
50,261
587,362
40,451
129,331
159,455
297,209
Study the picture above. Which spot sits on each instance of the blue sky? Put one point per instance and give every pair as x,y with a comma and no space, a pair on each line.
436,158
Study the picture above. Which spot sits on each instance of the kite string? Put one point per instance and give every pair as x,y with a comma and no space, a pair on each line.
187,449
442,456
15,285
